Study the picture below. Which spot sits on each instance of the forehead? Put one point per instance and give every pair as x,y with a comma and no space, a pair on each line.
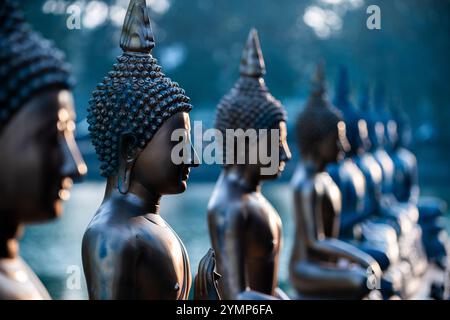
179,120
281,126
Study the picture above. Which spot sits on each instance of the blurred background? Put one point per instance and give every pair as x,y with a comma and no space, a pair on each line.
199,44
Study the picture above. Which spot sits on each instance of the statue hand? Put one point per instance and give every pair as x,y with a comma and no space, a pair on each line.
206,278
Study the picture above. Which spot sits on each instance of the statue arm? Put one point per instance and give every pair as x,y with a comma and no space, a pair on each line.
280,294
228,239
340,249
349,219
415,190
108,272
232,257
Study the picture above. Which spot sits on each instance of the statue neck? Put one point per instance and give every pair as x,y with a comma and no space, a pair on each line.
242,176
312,167
9,246
314,163
142,199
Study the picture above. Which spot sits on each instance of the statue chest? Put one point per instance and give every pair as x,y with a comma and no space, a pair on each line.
263,232
352,188
168,253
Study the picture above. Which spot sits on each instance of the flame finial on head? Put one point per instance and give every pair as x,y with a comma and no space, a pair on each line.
342,96
252,61
379,97
318,117
364,98
137,34
318,85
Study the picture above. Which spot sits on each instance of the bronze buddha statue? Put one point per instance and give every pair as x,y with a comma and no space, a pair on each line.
365,229
129,251
245,229
406,188
405,185
315,266
39,155
401,215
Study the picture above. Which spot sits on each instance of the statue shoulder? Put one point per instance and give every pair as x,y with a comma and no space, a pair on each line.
107,230
335,170
301,180
323,182
28,287
233,210
152,233
407,156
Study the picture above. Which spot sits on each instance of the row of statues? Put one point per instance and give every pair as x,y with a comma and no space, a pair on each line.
360,227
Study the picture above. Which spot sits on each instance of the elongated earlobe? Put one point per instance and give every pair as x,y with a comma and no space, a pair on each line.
128,156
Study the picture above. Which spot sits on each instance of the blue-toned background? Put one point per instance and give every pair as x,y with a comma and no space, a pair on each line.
199,43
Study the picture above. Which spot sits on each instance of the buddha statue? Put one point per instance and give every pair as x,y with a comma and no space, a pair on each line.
128,250
406,189
402,216
366,162
405,184
377,203
345,173
358,226
322,266
39,156
245,229
378,135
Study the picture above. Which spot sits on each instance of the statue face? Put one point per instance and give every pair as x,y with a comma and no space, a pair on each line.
284,154
40,158
154,168
392,133
332,148
363,134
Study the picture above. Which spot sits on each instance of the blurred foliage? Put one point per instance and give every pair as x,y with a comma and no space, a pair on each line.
410,53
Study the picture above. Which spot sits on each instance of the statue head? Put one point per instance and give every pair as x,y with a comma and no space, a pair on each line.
388,135
39,156
320,128
375,128
404,132
356,127
250,106
133,112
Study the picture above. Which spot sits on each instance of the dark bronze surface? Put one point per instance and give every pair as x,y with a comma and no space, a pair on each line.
245,229
39,157
129,251
315,269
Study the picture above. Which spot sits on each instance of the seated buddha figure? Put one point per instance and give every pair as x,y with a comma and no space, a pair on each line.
137,119
245,229
39,156
378,136
351,182
404,215
406,189
374,205
321,265
405,184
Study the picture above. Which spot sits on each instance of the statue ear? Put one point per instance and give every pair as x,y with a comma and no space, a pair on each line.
127,158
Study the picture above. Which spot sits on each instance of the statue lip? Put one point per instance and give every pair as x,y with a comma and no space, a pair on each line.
186,171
